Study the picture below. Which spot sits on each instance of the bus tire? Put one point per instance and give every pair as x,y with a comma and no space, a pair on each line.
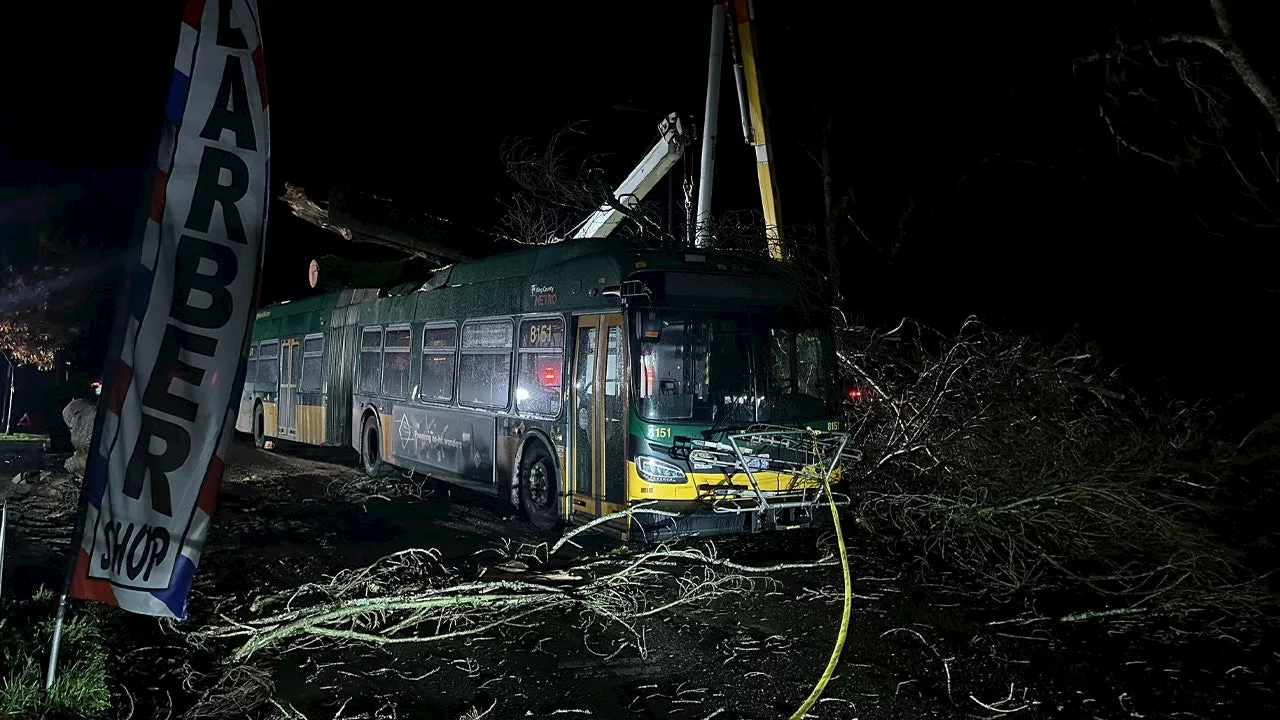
539,490
371,448
259,426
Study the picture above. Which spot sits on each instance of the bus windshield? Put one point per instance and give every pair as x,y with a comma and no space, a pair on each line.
731,367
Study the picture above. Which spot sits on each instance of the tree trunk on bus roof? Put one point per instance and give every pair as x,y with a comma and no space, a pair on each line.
337,273
373,219
361,217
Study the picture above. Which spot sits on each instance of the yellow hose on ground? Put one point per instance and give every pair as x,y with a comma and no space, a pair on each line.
810,701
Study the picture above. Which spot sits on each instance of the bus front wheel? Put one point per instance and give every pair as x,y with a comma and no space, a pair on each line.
259,427
539,490
371,448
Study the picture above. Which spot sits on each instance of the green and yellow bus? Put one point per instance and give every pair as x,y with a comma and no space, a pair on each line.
574,380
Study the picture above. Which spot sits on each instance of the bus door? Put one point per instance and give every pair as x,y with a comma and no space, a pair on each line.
598,405
290,369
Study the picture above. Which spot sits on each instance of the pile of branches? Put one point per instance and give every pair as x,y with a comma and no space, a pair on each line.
413,597
1025,466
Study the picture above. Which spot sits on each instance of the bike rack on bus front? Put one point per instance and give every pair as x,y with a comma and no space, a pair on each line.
819,453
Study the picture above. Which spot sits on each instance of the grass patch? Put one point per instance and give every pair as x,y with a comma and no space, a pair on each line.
26,631
22,437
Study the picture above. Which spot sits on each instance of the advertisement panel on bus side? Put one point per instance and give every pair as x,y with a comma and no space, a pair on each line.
460,443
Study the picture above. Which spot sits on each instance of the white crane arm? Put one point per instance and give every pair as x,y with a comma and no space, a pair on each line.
656,164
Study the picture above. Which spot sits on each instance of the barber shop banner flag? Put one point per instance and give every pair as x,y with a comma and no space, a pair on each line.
176,366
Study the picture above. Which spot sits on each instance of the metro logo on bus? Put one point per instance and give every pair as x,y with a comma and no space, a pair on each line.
543,295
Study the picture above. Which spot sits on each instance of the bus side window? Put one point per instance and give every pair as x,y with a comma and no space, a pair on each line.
484,365
312,364
439,358
370,360
541,362
269,365
395,362
251,365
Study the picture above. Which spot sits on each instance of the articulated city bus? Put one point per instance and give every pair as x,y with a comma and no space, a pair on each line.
574,380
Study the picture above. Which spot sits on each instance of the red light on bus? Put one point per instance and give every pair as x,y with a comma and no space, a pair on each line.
550,376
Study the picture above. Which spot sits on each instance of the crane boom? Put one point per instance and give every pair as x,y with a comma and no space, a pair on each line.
656,164
711,119
755,123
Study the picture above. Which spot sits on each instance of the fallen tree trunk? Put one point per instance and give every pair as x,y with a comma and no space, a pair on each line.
362,218
335,273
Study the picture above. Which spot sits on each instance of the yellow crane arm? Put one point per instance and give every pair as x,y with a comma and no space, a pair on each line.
756,123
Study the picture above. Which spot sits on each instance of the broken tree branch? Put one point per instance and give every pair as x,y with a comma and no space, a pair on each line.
1226,46
409,597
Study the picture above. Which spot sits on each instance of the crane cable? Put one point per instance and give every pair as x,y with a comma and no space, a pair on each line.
810,701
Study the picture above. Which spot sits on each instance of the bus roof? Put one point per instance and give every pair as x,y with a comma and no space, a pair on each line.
613,258
558,277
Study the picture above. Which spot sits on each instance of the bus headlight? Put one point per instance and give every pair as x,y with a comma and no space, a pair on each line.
656,471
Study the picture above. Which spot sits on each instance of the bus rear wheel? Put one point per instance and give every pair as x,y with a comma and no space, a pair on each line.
539,491
371,448
259,427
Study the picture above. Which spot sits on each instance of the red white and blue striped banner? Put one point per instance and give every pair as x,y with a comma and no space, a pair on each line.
174,375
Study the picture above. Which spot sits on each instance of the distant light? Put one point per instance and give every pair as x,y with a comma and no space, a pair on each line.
855,394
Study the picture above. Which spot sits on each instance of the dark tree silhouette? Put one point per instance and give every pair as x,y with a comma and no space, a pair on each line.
47,278
558,185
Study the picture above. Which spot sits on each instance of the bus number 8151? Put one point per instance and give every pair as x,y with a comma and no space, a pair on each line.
542,335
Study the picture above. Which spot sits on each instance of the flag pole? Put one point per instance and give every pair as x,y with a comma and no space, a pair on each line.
4,518
77,538
52,672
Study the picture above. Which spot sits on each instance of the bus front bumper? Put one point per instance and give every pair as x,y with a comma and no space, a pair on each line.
673,519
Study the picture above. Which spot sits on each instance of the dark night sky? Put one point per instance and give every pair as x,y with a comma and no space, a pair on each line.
1031,216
